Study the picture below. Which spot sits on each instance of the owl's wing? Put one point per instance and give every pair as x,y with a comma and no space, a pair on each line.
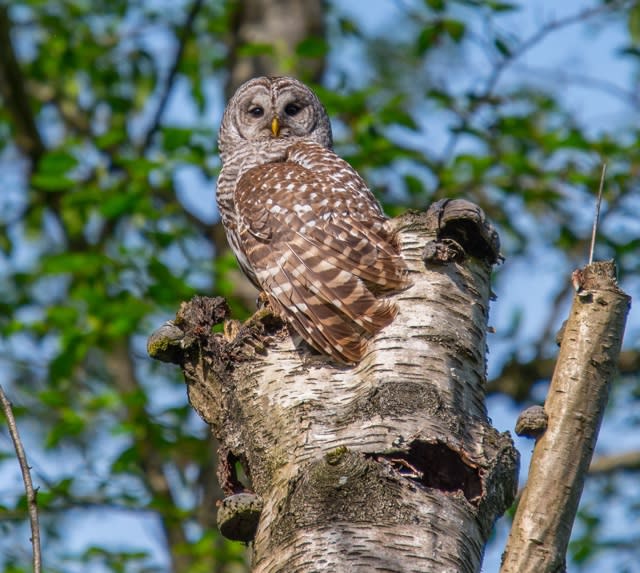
318,249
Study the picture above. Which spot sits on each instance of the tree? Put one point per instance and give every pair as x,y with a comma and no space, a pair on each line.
388,465
107,146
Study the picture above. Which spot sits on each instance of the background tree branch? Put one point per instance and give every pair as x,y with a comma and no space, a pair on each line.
15,96
615,464
152,465
518,377
182,38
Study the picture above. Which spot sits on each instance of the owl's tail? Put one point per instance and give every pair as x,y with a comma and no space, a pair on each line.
330,308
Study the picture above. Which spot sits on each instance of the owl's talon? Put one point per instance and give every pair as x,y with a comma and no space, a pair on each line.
230,329
250,338
262,301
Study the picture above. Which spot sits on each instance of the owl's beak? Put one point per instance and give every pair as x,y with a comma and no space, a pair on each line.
275,126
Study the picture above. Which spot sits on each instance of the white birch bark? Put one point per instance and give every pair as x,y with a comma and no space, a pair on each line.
391,465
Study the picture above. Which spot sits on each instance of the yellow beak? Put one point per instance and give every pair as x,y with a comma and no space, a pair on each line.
275,126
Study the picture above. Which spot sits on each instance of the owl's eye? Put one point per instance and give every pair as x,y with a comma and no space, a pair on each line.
256,111
292,109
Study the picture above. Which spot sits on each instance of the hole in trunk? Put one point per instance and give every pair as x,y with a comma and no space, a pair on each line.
437,466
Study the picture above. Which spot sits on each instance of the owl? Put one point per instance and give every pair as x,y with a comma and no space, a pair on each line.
302,223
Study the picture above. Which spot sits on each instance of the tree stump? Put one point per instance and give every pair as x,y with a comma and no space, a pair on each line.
389,465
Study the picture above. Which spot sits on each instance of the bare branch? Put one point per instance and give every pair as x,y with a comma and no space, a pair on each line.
70,503
32,503
607,465
515,54
547,29
121,368
564,77
596,218
575,406
517,378
183,36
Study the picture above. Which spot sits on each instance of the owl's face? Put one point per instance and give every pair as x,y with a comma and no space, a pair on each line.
266,109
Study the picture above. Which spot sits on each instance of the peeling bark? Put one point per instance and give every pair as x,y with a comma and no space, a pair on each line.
390,465
575,405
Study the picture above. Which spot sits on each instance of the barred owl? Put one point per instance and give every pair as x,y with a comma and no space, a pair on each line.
302,223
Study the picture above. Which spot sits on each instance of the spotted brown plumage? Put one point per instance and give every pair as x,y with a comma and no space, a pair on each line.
303,224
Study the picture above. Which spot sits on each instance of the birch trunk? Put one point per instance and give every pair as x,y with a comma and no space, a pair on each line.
391,465
574,408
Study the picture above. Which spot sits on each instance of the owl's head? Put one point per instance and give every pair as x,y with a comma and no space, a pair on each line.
277,108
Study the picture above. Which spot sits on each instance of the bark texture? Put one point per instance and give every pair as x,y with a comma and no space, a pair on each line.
391,465
586,366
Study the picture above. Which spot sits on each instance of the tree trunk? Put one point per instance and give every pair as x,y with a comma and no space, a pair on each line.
586,366
265,39
390,465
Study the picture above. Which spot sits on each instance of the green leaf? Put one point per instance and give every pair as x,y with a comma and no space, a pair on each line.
312,47
502,47
428,38
51,182
456,29
87,263
176,137
436,5
56,162
62,316
119,204
52,398
502,6
255,49
127,460
75,347
71,424
634,23
111,138
392,113
414,185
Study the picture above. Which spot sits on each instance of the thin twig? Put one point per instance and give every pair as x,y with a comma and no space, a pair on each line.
32,503
168,86
597,217
547,29
564,77
515,54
